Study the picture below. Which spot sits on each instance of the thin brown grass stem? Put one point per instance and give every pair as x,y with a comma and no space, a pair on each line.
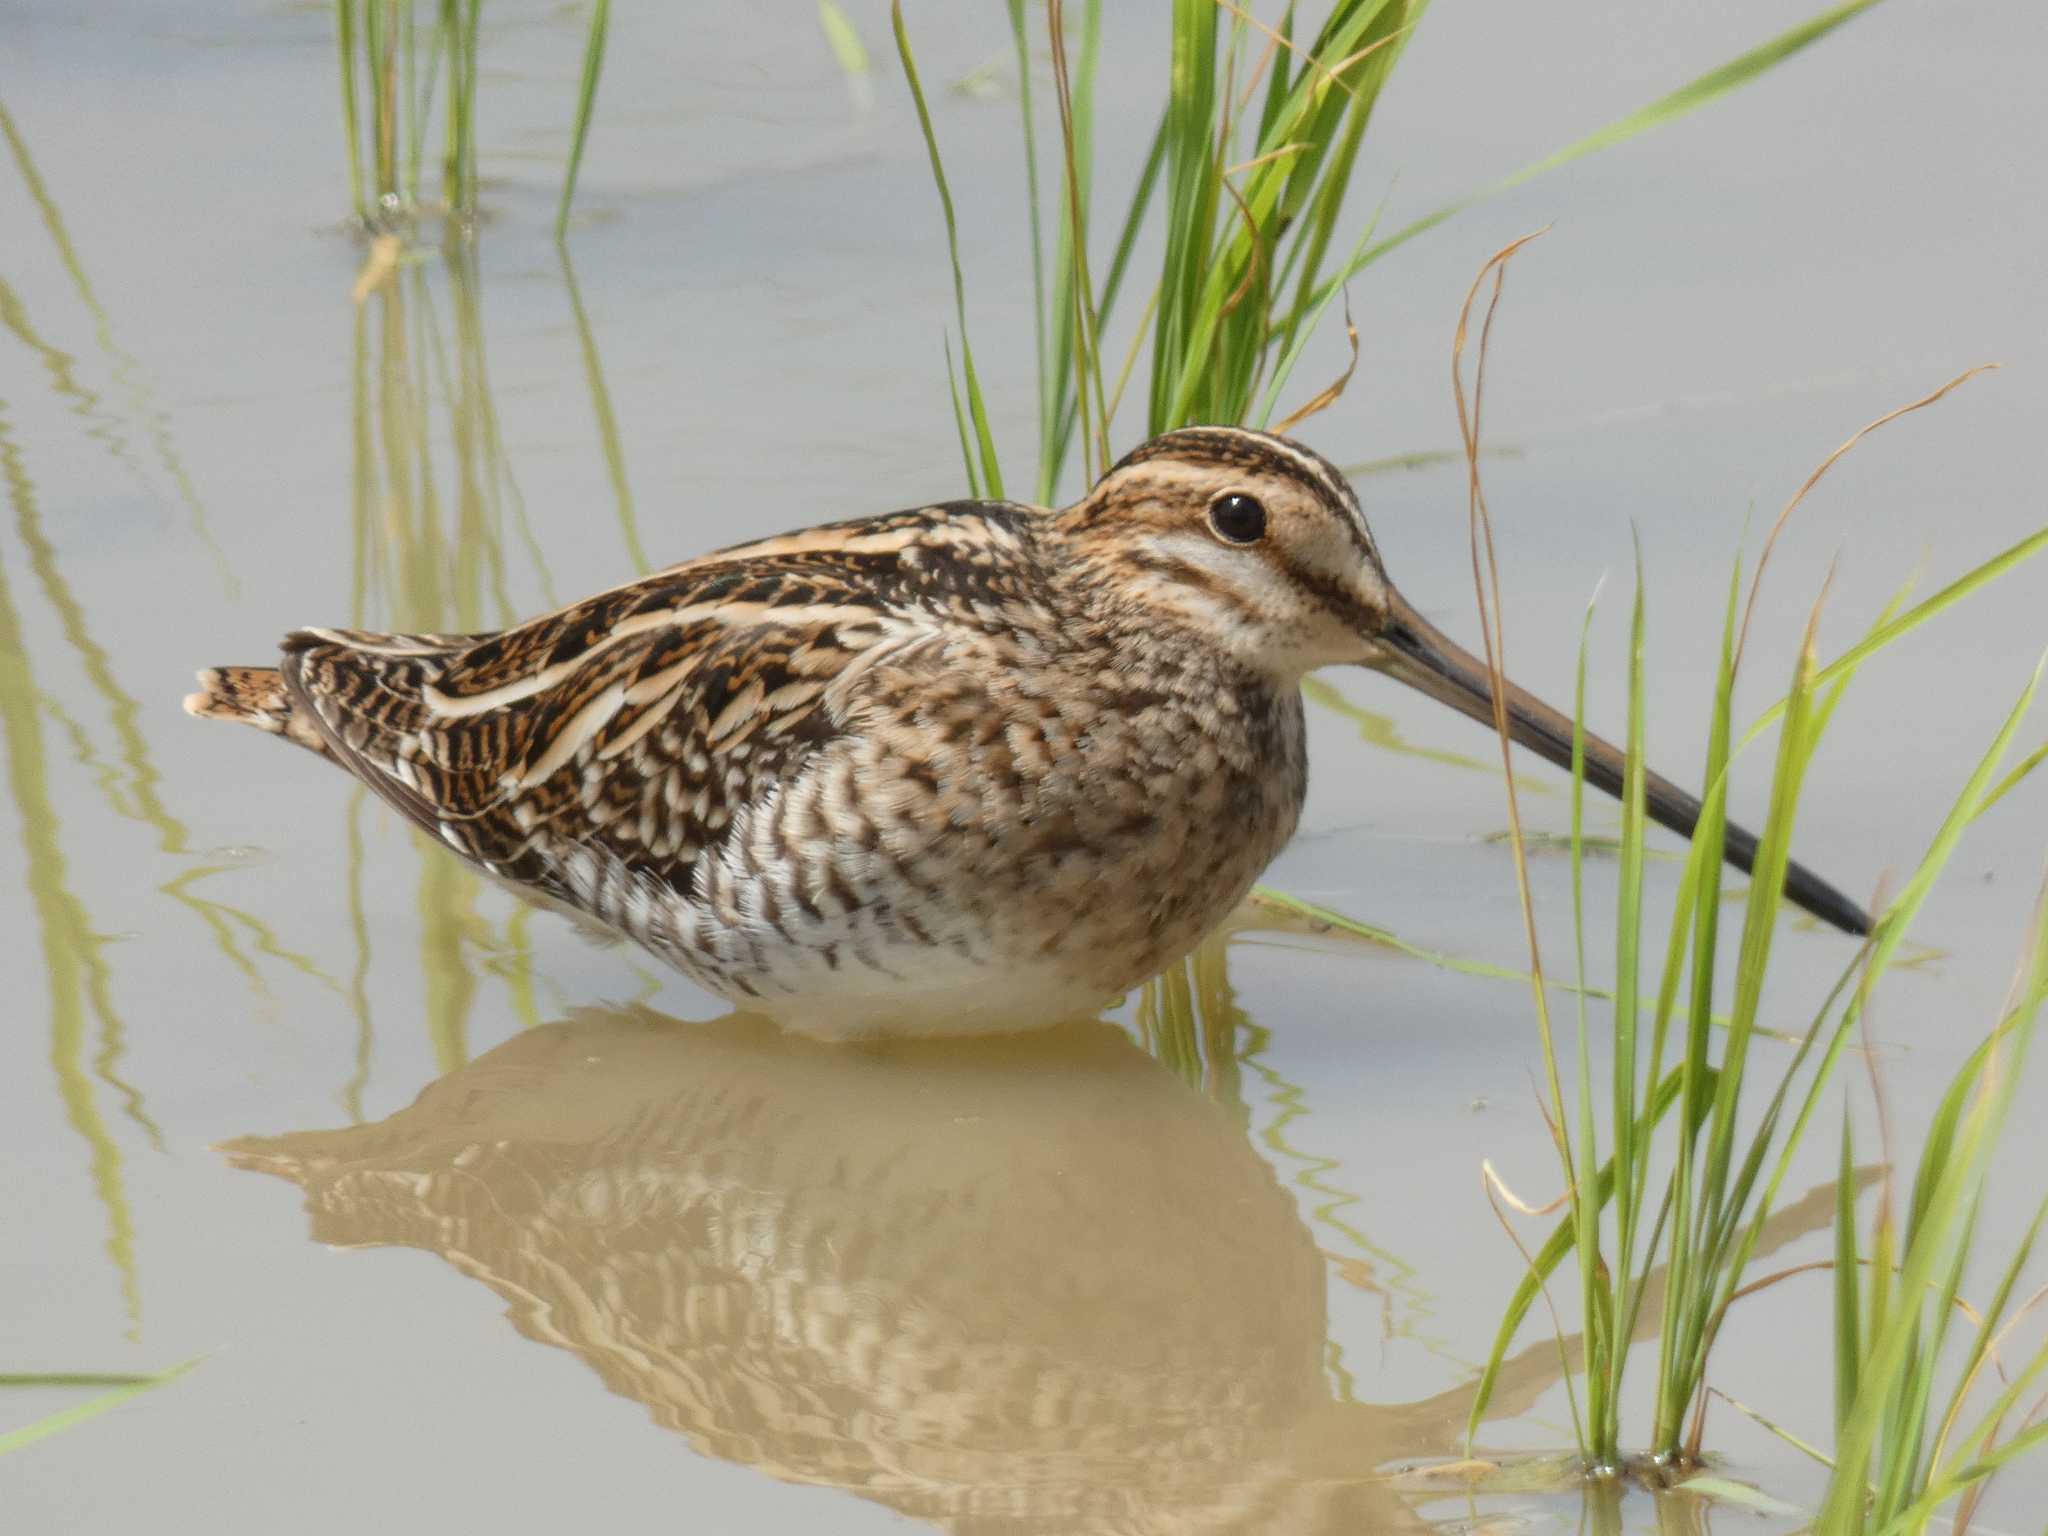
1696,1436
1328,396
1256,161
1494,1187
1990,1354
1138,340
1331,74
1251,83
1770,542
1251,234
1966,1510
1486,583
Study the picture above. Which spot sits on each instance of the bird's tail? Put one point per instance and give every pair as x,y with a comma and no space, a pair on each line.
253,696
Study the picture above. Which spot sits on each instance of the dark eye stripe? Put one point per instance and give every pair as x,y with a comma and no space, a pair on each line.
1336,597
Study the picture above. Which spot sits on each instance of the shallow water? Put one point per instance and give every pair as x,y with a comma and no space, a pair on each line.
1220,1262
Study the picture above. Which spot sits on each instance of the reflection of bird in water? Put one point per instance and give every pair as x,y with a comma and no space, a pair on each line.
956,769
1030,1284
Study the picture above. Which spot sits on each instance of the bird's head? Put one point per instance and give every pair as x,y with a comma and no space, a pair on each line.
1258,546
1251,540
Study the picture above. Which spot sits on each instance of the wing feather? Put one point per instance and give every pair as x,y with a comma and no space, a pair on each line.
631,727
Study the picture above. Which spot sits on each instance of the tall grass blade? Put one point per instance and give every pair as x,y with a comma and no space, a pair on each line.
1690,97
1904,624
1600,1342
960,421
586,105
345,37
607,420
1848,1284
1041,320
991,472
1630,1162
1562,1241
1880,1441
423,108
1074,311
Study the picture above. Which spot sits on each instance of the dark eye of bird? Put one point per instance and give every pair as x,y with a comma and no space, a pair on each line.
1238,518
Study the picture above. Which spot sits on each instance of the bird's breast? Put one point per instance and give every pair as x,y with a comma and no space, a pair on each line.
984,848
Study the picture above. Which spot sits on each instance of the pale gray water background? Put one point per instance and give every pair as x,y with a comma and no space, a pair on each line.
760,256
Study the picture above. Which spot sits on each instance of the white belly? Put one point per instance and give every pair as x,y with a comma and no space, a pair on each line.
937,998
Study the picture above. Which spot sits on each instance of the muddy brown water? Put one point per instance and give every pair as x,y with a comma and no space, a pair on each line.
584,1248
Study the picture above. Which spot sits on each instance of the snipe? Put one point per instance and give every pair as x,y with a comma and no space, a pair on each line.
972,766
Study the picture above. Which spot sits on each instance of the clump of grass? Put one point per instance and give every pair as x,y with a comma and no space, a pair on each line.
1248,176
1904,1450
391,65
1690,1194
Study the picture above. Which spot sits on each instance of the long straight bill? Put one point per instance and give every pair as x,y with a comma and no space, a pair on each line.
1424,658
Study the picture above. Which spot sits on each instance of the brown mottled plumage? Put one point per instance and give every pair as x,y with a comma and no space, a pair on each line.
957,768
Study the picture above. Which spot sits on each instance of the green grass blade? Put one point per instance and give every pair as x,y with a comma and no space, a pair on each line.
1890,933
1627,947
1041,318
1074,315
848,51
1193,190
407,94
2012,780
128,1387
1329,917
1562,1240
960,421
1695,932
1714,1210
586,105
1905,623
1602,1349
1913,1519
423,105
1316,227
1991,1317
1725,1257
1848,1282
1219,344
345,36
1964,1140
607,421
992,475
1277,80
383,113
1053,455
1304,333
1707,88
1976,1444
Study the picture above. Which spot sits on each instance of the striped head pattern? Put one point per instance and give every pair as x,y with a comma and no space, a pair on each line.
1251,539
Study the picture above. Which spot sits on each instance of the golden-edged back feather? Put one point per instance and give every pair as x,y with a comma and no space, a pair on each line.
634,725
